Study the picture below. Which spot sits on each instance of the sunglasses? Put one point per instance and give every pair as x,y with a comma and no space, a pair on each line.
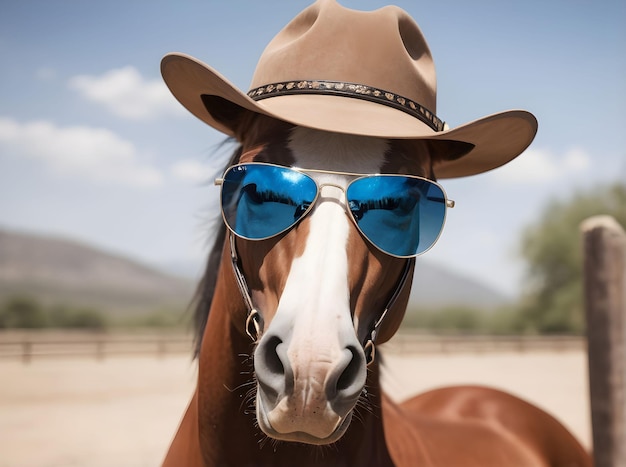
401,215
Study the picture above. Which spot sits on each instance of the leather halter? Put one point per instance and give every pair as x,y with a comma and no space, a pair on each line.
254,320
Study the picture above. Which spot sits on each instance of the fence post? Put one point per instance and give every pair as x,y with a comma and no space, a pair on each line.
27,351
161,347
604,248
100,349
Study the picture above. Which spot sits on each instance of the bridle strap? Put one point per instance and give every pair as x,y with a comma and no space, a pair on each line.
370,346
254,318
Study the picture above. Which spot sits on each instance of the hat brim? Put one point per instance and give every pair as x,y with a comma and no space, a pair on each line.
495,139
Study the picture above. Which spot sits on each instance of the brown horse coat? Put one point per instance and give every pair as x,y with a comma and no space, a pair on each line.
458,426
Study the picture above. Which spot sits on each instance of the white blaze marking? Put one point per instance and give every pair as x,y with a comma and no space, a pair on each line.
315,303
317,292
316,298
315,149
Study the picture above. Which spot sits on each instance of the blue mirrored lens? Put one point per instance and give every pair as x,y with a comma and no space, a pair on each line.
402,216
260,201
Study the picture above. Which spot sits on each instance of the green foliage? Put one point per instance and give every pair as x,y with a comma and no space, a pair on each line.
156,319
464,320
78,318
22,312
461,319
454,319
553,301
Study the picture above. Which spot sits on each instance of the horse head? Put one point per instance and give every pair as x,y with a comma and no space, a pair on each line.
320,295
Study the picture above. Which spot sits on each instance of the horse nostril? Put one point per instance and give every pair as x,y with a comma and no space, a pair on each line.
273,362
352,378
271,365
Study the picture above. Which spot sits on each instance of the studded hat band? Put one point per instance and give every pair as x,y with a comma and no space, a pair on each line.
358,91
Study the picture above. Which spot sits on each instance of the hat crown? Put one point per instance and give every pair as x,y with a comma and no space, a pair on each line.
384,49
345,71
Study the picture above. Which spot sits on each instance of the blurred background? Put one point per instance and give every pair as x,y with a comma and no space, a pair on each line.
107,203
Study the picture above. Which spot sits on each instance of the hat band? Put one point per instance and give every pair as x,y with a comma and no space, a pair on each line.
358,91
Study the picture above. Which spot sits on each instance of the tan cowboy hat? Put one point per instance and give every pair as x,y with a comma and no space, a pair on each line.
347,71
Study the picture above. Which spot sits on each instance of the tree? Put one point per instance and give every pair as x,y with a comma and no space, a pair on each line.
553,302
22,312
62,316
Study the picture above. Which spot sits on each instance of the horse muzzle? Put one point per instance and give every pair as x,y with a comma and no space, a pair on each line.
307,390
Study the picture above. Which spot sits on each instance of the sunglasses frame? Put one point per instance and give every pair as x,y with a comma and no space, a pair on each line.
357,176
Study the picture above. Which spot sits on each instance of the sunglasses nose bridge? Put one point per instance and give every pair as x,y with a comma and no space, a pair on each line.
332,193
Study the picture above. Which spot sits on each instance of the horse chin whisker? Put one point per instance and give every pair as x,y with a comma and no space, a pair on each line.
364,403
264,439
237,388
357,416
247,362
361,409
317,452
248,404
276,443
320,452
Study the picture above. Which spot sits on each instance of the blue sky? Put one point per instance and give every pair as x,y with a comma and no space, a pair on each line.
93,147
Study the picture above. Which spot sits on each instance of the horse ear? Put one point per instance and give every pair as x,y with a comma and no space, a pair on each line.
395,314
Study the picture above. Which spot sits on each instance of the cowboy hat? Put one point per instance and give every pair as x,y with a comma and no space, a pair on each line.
347,71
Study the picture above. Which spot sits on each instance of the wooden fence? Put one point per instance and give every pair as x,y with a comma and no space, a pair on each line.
407,342
28,346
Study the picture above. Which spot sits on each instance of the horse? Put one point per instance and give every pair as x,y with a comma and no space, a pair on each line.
288,326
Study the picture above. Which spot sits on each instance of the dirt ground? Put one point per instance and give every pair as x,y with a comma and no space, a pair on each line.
123,411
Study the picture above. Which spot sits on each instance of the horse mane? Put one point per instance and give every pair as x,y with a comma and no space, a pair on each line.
203,296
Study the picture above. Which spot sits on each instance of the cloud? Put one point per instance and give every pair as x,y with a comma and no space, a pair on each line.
542,166
125,93
79,151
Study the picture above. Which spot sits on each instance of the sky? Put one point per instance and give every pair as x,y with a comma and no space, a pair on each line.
93,147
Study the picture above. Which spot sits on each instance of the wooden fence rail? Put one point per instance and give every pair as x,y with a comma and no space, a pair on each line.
416,343
30,346
33,347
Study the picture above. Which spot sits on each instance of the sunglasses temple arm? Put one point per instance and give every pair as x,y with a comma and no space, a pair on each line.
450,203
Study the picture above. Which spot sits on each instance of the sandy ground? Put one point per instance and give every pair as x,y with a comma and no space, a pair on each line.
123,411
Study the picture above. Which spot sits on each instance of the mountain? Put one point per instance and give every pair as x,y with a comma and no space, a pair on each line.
436,287
61,271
